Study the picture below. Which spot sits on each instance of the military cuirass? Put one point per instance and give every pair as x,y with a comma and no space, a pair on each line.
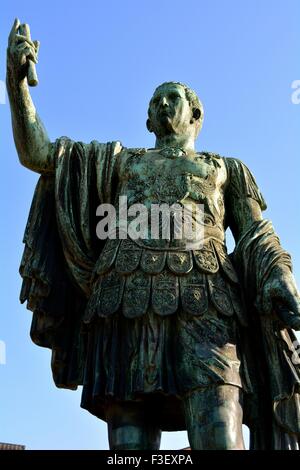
154,177
176,180
135,274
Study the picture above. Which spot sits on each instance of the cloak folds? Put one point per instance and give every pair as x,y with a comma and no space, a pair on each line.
60,255
61,248
273,412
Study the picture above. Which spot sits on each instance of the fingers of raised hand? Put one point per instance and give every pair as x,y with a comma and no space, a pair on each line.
37,45
24,49
14,30
18,38
20,34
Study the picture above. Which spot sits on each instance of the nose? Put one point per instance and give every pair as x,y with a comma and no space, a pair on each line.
164,102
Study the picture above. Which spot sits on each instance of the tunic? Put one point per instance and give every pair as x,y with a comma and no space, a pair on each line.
163,318
138,319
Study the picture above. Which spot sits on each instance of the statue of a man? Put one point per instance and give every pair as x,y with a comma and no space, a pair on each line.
162,336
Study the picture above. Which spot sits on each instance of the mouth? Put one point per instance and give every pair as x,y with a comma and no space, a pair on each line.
164,113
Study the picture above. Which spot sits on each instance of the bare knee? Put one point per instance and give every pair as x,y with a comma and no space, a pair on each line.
214,419
129,428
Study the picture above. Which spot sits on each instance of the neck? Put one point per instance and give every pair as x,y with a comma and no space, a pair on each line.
182,141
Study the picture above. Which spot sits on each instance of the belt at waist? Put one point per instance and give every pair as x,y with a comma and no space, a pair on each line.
204,235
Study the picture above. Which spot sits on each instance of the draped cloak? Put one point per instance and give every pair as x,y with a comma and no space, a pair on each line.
61,250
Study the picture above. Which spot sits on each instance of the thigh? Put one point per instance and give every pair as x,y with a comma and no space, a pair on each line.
129,427
214,418
206,351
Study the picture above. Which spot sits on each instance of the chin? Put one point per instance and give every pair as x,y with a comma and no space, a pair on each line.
166,126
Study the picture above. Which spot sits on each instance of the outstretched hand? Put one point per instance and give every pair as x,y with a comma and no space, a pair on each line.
281,296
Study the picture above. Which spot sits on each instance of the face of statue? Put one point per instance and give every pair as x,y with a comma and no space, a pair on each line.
170,112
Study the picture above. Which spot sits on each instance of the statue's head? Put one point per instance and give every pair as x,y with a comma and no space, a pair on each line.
175,109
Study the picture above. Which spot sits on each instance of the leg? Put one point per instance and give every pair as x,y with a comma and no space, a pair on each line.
214,418
130,429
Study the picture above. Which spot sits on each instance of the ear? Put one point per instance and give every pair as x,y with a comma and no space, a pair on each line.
196,113
148,124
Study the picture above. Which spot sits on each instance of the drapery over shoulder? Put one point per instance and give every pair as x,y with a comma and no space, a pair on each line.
61,249
241,183
256,253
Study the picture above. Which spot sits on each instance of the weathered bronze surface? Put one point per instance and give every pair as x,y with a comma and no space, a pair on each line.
162,337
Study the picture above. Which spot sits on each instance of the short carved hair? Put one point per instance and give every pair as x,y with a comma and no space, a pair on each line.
191,96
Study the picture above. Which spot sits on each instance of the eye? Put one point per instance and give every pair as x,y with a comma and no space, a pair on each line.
174,96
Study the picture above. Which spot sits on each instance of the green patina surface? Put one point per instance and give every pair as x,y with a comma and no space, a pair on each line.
162,335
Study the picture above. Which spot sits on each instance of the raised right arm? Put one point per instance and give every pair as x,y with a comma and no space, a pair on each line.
32,142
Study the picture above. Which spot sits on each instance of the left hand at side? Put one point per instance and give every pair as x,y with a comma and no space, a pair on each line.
280,295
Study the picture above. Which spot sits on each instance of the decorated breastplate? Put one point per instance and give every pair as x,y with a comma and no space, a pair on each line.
187,185
134,275
169,176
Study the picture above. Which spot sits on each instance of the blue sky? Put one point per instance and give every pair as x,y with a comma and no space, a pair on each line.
98,66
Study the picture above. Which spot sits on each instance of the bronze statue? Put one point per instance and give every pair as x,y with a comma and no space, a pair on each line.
161,336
